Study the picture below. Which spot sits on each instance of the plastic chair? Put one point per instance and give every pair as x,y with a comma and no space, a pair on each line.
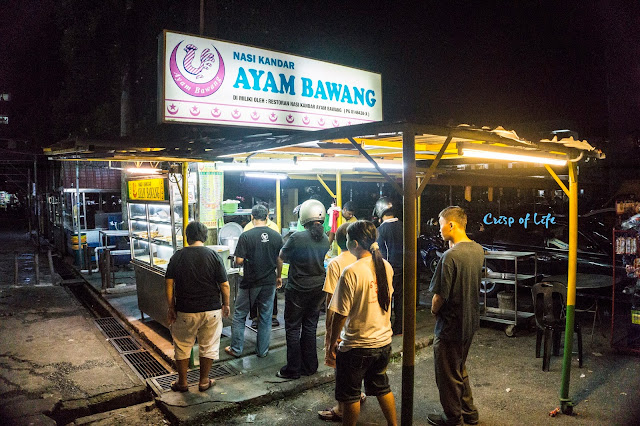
549,307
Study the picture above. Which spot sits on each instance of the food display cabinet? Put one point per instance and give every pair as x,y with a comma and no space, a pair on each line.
155,231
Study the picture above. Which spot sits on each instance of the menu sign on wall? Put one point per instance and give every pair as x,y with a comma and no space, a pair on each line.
208,81
211,190
147,189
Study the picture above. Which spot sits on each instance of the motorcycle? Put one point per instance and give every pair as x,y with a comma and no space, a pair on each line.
430,250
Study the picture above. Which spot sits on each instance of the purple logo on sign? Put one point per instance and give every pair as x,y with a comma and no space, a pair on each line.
197,77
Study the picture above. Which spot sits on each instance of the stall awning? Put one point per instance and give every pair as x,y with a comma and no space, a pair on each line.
352,150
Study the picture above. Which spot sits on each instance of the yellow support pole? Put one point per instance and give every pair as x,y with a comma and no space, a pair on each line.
557,179
278,206
185,202
339,195
419,213
565,402
325,186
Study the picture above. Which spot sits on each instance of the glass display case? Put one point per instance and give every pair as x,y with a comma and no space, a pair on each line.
155,226
156,232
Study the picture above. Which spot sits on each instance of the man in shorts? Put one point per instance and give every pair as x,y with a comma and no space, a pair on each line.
196,276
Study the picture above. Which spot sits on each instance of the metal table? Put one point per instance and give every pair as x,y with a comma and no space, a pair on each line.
587,282
515,279
106,233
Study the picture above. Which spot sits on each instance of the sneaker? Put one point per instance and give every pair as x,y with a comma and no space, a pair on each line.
275,322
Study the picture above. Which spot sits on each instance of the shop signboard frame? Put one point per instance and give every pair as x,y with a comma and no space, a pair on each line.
209,81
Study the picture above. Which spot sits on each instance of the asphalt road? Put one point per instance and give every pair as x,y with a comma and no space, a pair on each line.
508,383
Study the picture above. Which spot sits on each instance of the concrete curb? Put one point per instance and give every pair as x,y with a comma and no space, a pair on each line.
209,411
67,411
109,415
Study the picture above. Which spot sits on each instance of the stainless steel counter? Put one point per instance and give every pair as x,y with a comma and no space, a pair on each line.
152,299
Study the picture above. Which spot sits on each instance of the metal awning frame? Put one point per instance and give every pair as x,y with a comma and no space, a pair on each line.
378,142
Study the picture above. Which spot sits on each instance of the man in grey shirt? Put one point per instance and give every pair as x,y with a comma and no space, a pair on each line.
455,287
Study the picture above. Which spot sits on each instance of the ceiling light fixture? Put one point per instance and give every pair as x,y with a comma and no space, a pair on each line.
259,175
510,154
143,170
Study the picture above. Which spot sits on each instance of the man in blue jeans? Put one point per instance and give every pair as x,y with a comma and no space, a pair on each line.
257,251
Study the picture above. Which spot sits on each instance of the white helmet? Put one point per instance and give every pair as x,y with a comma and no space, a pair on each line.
312,210
383,205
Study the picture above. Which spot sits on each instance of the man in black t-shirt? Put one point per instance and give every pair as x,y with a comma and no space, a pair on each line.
197,278
455,286
257,251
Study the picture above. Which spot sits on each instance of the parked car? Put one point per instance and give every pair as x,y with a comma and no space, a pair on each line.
551,246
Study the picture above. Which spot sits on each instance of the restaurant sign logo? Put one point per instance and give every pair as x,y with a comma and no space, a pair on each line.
147,189
197,77
208,81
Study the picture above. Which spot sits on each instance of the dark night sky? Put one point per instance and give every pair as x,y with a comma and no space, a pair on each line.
478,62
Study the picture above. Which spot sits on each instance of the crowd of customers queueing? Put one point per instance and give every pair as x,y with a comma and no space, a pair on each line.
360,288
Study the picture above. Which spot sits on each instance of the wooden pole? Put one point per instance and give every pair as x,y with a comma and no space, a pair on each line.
201,17
15,268
36,261
409,275
78,225
107,264
51,268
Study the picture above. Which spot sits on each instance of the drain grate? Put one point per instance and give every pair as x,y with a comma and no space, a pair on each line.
125,344
111,327
140,361
144,364
193,376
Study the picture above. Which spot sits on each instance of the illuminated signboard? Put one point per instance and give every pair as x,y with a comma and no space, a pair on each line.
208,81
147,189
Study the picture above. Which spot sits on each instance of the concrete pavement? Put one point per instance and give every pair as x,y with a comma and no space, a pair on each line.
54,363
56,366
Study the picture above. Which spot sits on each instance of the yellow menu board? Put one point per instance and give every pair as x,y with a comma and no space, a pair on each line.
147,189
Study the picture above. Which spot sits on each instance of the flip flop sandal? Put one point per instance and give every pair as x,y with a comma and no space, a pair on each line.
329,415
207,386
177,388
230,352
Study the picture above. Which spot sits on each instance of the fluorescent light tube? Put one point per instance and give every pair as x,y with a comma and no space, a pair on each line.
259,175
499,153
